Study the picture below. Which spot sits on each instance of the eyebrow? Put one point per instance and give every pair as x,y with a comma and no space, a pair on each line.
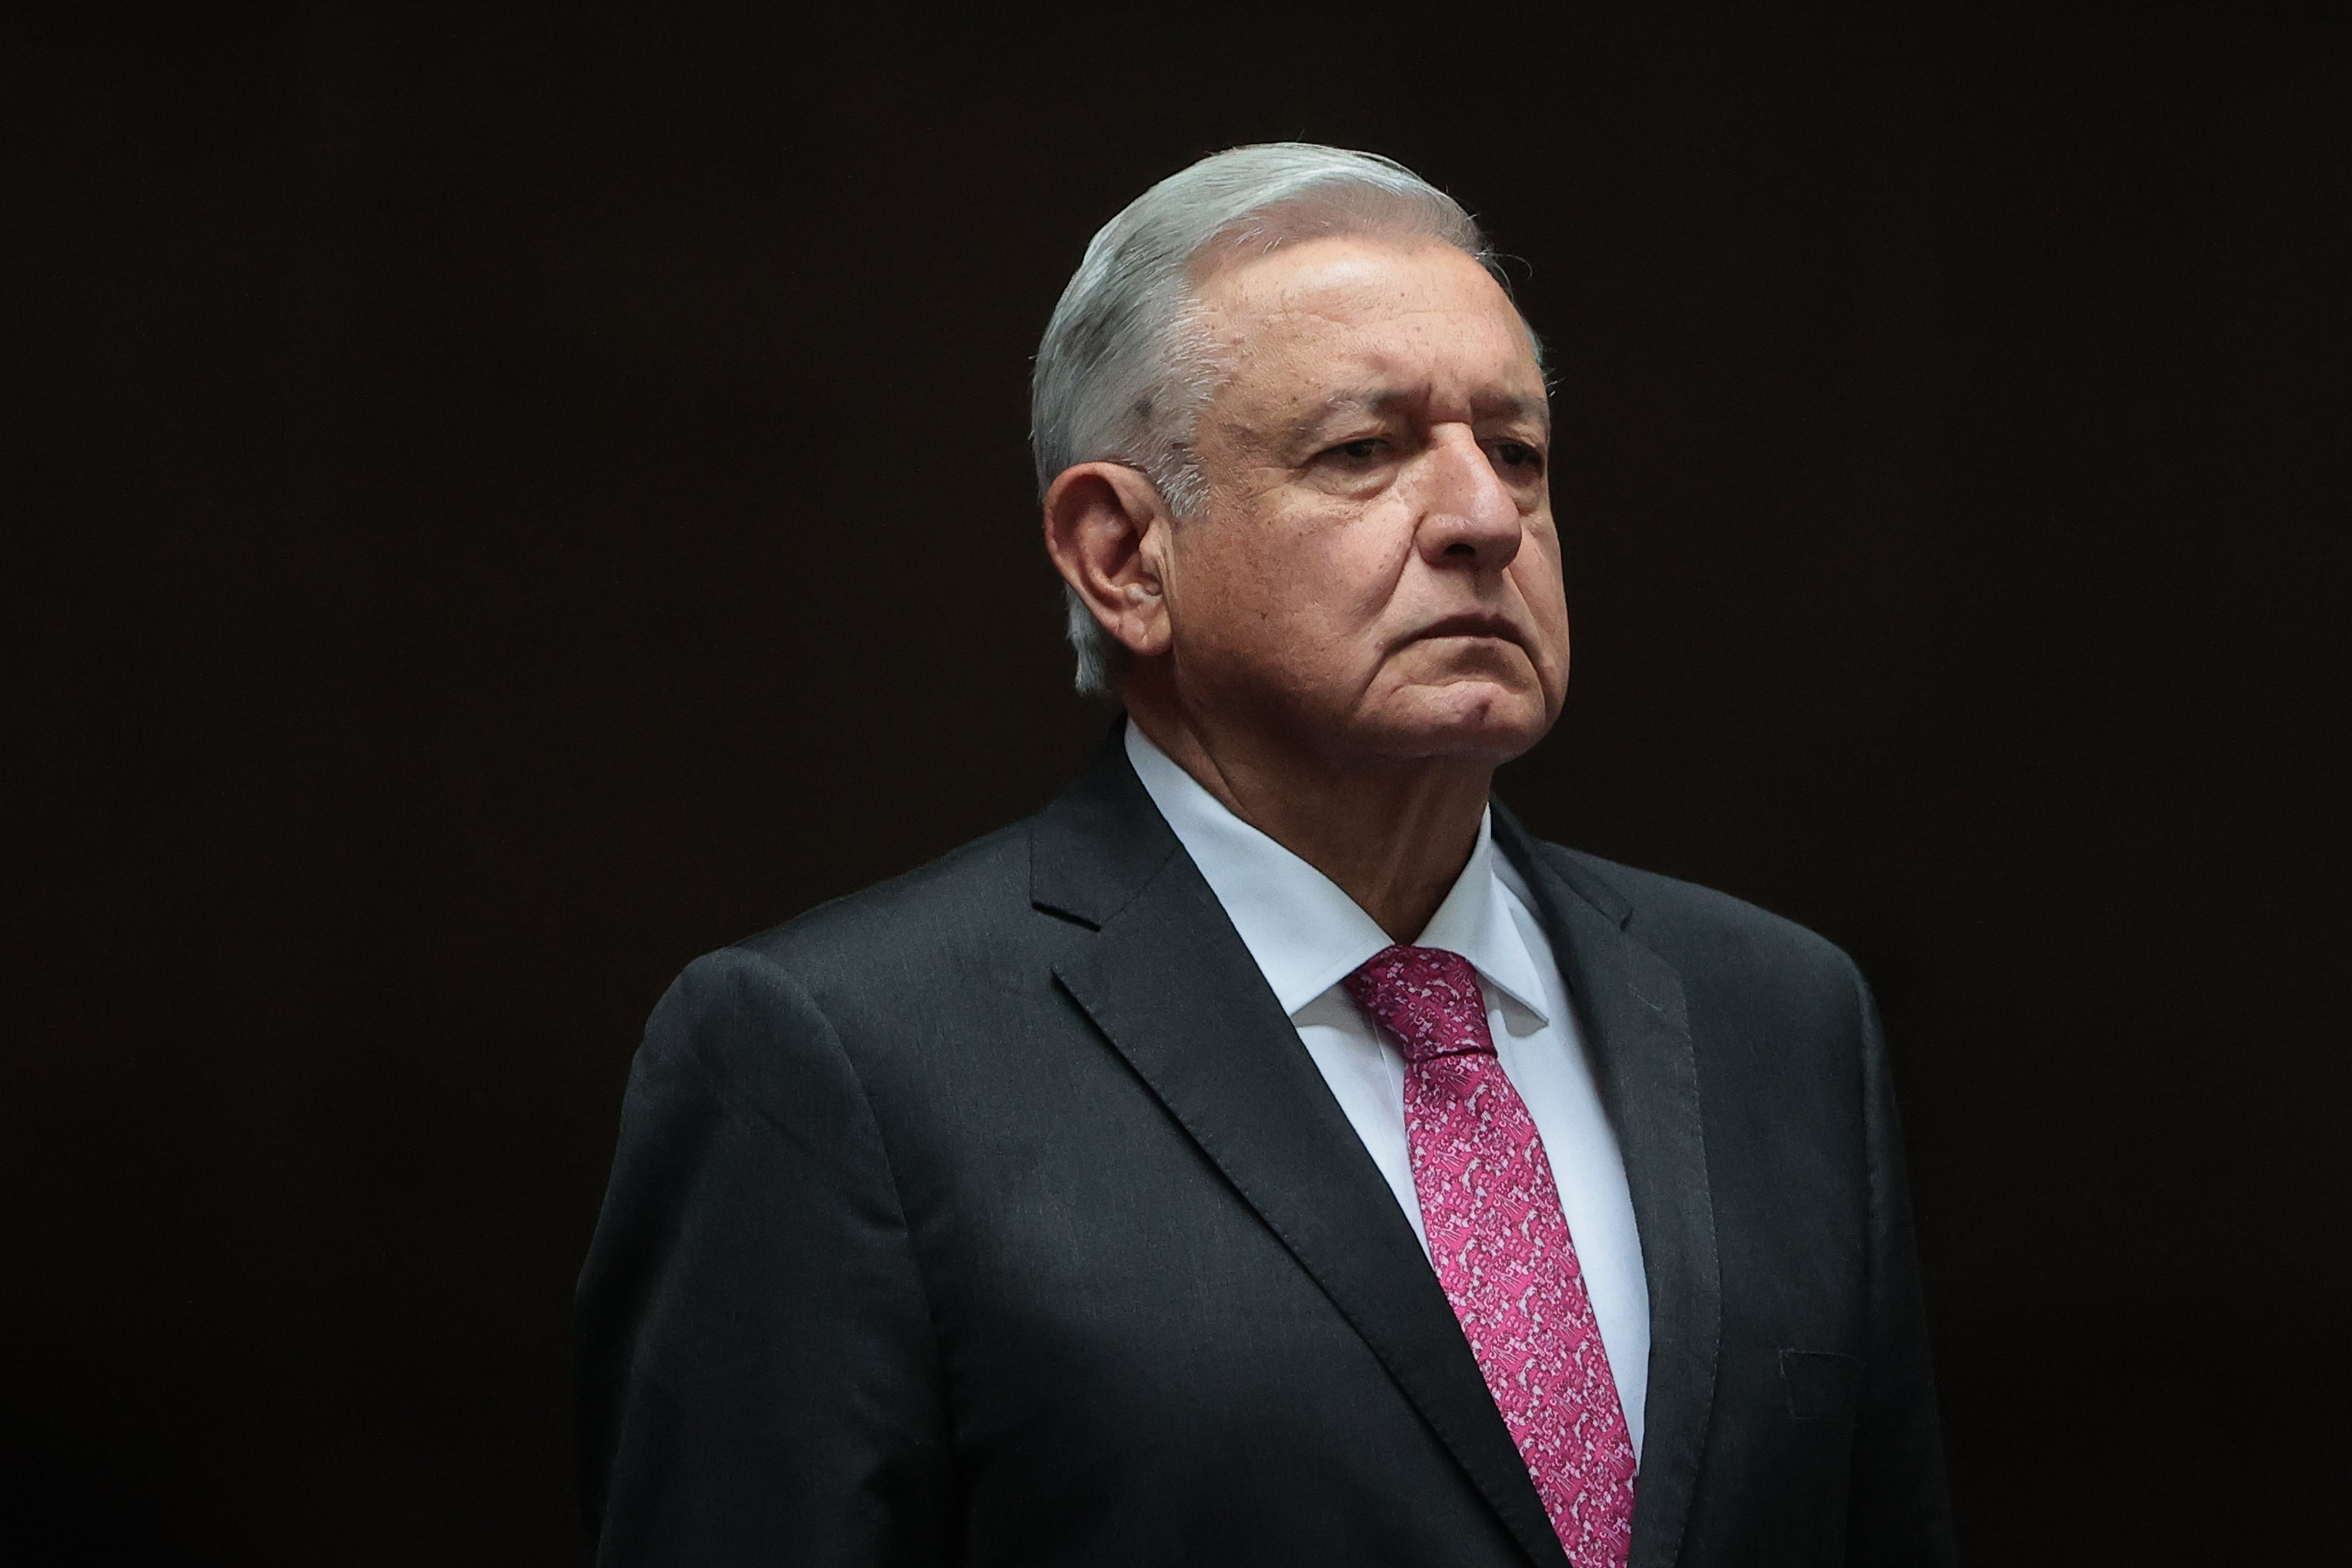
1380,399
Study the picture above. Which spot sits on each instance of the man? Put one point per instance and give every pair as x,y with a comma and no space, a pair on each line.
1269,1154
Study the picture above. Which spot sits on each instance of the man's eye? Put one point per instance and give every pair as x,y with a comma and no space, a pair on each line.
1362,451
1518,454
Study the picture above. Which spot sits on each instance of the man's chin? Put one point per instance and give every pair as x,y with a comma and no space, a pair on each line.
1474,720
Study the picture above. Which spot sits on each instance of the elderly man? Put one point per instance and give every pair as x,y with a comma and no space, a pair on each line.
1270,1153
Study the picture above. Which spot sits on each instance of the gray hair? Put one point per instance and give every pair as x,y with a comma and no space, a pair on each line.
1125,367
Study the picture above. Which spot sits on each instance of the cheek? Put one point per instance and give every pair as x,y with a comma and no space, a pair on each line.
1541,588
1292,580
1540,580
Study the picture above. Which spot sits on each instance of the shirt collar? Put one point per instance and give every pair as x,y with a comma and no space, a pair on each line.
1305,934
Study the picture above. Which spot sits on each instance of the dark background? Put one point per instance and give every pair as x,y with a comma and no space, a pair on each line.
497,505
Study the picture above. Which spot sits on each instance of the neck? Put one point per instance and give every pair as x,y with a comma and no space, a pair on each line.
1393,834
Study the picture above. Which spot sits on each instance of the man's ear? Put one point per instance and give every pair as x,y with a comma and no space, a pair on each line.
1106,529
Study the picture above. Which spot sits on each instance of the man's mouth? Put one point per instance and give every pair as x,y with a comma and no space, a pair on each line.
1494,626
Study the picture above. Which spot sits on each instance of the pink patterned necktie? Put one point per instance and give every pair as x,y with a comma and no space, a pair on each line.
1502,1250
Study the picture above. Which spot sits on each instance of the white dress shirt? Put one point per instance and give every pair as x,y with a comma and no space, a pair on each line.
1308,935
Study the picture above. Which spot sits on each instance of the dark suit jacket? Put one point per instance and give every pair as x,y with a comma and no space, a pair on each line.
997,1216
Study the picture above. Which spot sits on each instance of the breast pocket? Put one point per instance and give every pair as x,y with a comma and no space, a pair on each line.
1821,1385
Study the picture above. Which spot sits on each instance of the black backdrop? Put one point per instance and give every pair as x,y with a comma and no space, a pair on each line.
497,505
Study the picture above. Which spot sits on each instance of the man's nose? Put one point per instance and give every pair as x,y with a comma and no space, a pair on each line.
1468,516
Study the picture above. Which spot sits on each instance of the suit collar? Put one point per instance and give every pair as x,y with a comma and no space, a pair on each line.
1305,932
1099,843
1637,1026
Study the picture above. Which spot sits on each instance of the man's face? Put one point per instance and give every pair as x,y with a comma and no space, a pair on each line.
1375,572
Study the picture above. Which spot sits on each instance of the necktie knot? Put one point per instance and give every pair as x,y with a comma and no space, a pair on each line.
1427,999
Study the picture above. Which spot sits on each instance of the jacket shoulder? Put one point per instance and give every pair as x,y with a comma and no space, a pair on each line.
1699,927
857,970
973,897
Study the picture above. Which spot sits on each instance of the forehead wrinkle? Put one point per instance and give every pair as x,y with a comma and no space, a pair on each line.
1275,331
1258,321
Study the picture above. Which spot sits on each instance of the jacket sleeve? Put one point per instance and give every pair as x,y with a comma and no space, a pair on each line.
757,1376
1899,1510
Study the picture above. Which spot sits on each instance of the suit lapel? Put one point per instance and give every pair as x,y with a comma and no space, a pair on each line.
1629,1003
1170,985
